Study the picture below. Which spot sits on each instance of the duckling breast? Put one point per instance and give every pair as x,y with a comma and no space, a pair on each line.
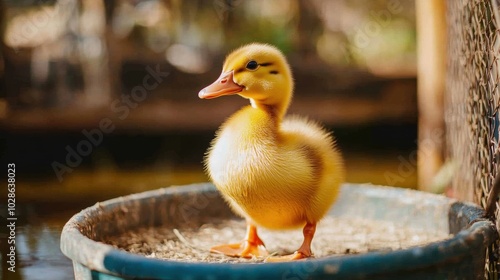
278,179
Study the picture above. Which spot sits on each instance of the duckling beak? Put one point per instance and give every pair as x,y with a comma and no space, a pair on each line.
224,85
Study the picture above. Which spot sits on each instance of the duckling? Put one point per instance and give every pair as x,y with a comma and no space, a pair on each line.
277,172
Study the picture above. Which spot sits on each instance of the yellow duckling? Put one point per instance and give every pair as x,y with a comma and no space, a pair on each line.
278,173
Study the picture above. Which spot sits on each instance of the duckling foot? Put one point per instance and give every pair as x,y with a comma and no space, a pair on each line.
305,249
244,249
293,257
251,247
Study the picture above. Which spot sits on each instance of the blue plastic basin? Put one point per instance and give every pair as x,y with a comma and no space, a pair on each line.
460,257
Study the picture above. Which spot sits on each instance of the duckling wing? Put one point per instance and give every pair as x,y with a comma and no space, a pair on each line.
308,132
318,146
316,142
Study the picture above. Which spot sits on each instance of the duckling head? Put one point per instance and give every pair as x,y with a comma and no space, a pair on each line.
258,72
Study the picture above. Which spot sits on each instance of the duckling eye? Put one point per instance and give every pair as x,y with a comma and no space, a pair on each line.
252,65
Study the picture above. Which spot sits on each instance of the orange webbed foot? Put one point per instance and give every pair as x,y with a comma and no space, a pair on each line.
244,249
293,257
305,249
251,247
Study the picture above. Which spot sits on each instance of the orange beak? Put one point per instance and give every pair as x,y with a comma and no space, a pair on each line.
223,86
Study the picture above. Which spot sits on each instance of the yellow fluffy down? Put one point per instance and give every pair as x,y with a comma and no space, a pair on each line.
277,179
276,172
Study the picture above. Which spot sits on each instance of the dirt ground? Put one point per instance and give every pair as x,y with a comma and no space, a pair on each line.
334,236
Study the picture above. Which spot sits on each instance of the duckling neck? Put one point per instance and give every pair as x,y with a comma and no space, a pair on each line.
276,112
251,126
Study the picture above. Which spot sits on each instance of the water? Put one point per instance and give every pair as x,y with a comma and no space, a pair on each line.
38,256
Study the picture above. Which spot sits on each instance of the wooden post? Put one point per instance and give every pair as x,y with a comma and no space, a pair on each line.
431,52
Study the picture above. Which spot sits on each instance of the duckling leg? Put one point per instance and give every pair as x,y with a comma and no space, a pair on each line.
305,249
246,249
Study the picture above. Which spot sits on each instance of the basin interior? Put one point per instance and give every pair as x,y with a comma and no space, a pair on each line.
183,225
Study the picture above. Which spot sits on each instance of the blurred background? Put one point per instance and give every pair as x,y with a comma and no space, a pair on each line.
99,98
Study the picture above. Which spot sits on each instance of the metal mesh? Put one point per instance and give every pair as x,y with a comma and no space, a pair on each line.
472,102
